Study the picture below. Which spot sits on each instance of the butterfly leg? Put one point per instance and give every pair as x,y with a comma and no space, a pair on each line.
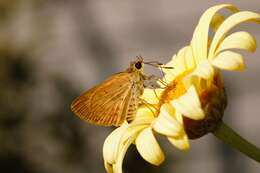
150,106
152,82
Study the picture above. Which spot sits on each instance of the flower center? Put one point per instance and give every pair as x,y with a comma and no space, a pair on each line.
174,90
213,101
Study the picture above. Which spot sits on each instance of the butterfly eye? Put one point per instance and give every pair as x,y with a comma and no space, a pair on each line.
138,65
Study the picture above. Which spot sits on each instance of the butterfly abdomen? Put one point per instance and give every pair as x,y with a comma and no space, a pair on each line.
131,112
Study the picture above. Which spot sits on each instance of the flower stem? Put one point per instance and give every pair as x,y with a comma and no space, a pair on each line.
230,137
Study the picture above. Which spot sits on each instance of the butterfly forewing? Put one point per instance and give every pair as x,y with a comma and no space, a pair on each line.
108,103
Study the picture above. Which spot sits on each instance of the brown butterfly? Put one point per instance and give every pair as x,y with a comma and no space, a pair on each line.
114,100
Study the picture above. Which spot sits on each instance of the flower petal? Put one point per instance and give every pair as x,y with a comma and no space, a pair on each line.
179,62
199,83
229,23
168,77
149,148
127,137
189,58
111,144
199,41
169,74
191,80
166,123
145,113
170,64
108,167
181,142
238,40
189,105
229,60
185,59
117,167
204,70
216,21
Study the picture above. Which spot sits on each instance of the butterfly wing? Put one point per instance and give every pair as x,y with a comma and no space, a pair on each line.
107,103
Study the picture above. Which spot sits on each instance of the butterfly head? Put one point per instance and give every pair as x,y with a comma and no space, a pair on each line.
137,65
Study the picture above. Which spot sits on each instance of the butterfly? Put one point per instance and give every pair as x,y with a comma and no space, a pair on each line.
114,100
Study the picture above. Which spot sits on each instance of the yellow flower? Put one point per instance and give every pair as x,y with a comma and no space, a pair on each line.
193,102
200,64
139,132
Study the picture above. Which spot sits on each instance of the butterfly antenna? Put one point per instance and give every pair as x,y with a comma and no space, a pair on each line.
157,64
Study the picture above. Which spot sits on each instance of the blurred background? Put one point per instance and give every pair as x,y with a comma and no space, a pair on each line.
52,50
